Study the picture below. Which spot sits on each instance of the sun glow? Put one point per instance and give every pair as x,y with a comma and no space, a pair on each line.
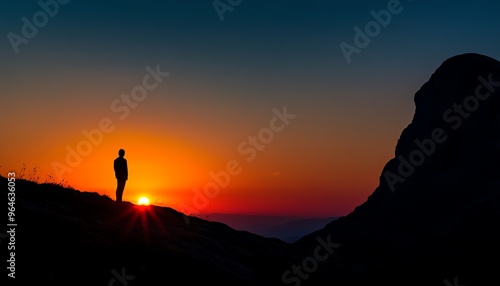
143,201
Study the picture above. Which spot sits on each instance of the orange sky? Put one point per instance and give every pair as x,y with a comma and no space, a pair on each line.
225,77
323,163
224,81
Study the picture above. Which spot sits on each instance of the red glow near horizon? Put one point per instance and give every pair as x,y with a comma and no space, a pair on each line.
295,174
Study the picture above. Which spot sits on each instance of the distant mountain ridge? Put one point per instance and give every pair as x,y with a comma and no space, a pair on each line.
286,228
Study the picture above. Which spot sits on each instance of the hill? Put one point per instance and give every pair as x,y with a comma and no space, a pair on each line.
66,236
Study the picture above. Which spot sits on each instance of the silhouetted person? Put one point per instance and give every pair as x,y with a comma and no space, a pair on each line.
121,174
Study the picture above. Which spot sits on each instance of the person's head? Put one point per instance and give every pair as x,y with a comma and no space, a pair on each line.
121,152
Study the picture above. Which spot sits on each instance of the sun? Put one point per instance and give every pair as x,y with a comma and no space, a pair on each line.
143,201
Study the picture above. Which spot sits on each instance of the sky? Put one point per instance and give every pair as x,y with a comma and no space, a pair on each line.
231,106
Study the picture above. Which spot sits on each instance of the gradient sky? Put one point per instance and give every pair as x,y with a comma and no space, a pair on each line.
225,78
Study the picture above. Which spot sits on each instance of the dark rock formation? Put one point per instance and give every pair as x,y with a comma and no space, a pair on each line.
436,212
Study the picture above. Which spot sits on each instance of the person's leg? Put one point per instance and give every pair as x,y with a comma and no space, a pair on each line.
120,186
122,189
118,191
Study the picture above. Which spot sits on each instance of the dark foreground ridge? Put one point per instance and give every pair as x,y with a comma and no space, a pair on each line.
69,237
434,219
